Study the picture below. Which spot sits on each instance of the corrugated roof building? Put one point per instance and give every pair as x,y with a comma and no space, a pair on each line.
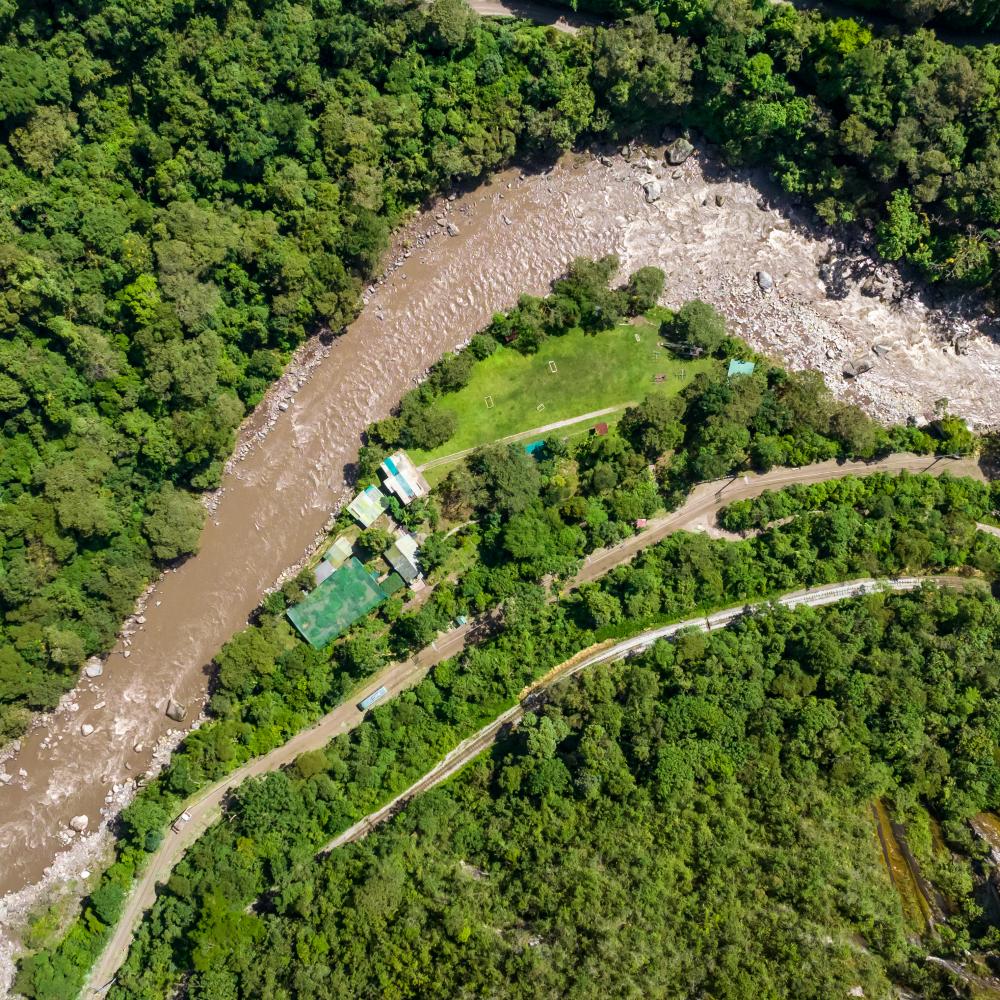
402,556
367,507
403,478
339,552
335,557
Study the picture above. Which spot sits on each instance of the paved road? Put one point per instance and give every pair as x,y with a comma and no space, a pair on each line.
700,507
521,435
470,748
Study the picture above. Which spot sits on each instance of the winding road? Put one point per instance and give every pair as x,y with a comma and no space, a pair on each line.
696,514
470,748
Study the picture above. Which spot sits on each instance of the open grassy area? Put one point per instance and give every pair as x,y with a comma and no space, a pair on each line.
593,372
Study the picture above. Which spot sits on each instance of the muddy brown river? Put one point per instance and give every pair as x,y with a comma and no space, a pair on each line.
515,234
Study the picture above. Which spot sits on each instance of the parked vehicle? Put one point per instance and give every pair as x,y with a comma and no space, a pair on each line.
178,824
374,697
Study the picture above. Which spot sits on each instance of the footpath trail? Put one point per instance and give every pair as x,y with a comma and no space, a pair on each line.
532,432
697,513
474,745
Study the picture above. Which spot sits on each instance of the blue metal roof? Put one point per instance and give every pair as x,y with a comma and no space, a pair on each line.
741,367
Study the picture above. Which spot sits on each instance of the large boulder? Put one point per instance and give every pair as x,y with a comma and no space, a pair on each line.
653,190
858,366
678,151
94,667
176,711
765,281
79,823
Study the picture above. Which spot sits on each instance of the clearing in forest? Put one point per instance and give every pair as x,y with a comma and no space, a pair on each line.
571,374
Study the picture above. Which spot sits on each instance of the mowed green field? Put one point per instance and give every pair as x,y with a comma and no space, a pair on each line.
593,372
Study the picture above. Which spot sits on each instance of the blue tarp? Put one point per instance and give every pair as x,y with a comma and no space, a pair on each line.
741,367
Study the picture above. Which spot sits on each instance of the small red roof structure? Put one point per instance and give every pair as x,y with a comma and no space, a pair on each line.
601,429
641,522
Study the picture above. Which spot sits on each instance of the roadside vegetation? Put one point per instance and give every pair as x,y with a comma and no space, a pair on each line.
189,192
524,524
696,821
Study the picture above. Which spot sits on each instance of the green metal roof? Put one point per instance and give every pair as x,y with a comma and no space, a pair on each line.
337,603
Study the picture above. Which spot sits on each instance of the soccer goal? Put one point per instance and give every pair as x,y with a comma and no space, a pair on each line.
540,407
489,402
553,368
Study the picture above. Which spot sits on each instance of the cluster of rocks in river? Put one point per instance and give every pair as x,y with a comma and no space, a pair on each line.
775,307
121,793
276,401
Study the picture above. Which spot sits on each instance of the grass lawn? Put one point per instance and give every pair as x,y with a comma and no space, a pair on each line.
593,372
438,473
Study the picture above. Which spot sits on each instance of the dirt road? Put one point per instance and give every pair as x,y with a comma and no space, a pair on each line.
205,807
705,501
700,507
560,18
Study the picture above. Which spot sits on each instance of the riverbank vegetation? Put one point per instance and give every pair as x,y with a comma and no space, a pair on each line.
696,821
717,425
189,192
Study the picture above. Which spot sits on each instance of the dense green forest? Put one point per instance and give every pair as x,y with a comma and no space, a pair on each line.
693,823
944,13
188,190
523,519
